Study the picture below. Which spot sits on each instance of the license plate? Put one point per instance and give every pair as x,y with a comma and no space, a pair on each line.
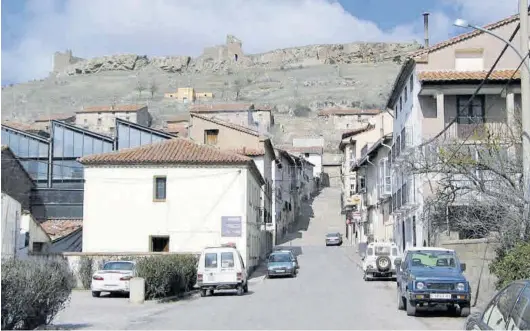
110,285
280,271
440,296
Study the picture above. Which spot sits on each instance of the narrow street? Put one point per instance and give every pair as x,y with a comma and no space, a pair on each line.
329,293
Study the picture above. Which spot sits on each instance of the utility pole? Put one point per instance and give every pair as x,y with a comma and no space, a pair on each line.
525,103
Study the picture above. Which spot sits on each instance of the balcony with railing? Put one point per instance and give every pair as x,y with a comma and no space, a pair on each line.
477,129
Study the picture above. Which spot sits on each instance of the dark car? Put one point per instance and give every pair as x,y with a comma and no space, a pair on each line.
282,263
430,276
508,310
333,239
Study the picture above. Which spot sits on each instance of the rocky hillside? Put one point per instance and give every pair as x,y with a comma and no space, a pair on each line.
299,81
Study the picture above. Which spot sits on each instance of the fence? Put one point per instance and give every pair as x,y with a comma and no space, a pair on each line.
98,259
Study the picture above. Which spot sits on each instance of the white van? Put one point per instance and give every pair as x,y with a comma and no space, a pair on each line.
221,268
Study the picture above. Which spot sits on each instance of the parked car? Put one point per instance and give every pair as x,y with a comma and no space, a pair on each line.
334,239
113,277
508,310
221,268
379,260
282,263
430,276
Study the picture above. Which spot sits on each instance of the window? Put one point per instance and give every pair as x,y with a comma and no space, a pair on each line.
472,113
37,247
521,312
496,315
159,189
306,154
159,244
400,104
414,231
99,121
210,260
362,183
210,137
227,260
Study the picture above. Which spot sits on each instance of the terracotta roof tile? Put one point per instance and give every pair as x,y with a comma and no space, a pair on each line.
309,149
177,118
465,36
172,151
452,75
248,151
220,107
19,126
227,124
110,108
57,228
350,133
57,117
345,111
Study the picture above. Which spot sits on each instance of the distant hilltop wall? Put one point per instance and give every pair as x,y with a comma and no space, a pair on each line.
62,60
223,57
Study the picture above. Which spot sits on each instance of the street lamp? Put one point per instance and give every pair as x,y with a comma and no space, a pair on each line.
465,24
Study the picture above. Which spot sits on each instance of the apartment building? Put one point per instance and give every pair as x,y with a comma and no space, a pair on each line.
430,93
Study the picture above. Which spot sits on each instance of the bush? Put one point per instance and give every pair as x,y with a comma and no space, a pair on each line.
514,265
33,292
167,275
86,270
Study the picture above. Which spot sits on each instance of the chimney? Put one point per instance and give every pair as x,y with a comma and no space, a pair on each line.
426,28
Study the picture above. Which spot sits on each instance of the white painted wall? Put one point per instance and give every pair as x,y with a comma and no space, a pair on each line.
120,215
12,239
315,159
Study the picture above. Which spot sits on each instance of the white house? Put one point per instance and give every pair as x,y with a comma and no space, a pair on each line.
283,199
429,95
175,196
312,154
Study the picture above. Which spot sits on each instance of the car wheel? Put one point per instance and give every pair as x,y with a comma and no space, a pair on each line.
400,301
210,292
411,308
96,294
240,290
245,288
203,293
465,311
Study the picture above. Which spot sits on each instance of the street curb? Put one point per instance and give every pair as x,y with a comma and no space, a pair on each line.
187,295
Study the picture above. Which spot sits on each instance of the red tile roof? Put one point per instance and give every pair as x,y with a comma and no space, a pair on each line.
309,149
172,151
249,151
344,111
57,228
220,107
177,118
227,124
465,36
47,118
452,75
110,108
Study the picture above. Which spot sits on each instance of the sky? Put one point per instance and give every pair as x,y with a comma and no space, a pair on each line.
32,30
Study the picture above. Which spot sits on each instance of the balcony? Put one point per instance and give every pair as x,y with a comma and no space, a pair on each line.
477,129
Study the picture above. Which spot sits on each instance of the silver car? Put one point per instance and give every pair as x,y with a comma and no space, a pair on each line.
333,239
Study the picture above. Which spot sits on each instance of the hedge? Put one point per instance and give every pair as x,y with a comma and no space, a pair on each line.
514,265
165,275
33,292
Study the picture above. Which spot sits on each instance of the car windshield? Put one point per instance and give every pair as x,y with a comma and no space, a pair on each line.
118,266
283,257
332,235
433,259
382,250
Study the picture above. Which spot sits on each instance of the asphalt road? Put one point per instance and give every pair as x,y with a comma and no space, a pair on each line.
328,293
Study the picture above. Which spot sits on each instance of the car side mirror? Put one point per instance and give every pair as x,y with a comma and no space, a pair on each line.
463,266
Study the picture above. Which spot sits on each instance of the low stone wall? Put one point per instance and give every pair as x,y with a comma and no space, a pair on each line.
98,259
477,254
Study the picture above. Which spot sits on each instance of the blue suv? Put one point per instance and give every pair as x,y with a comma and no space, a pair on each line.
430,276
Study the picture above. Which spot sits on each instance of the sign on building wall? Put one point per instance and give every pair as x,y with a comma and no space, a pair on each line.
231,226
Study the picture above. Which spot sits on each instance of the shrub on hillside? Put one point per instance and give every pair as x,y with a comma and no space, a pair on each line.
167,275
33,292
514,265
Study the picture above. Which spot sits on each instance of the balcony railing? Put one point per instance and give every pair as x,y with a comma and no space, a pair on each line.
476,129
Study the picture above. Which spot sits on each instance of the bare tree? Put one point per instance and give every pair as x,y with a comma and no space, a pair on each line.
140,87
153,87
475,179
